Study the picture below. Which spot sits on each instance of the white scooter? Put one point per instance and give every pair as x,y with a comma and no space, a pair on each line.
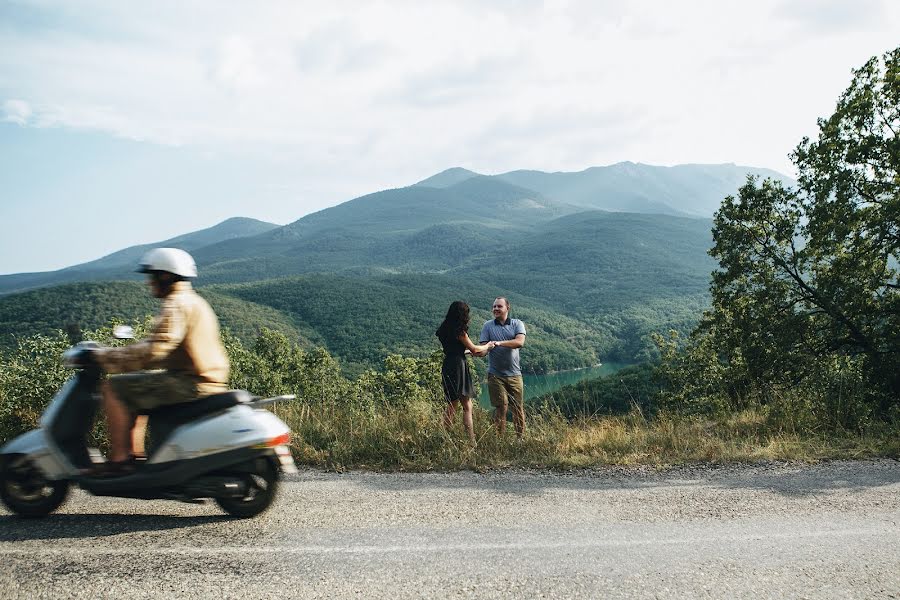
224,447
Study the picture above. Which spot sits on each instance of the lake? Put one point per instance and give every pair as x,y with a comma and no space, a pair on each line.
537,385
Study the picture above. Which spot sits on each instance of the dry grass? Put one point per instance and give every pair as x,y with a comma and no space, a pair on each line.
411,438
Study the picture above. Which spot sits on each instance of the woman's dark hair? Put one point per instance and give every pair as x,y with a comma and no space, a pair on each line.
456,321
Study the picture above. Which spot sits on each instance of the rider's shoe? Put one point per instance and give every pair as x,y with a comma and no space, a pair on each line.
118,468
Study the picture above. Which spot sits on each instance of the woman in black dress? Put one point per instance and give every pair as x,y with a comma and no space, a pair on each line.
457,381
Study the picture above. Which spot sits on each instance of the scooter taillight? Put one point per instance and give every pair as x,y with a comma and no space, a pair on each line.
282,440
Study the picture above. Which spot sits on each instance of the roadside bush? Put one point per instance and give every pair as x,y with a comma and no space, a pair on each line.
30,375
391,418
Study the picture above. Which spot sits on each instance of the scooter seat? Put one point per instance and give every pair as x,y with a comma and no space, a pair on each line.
188,411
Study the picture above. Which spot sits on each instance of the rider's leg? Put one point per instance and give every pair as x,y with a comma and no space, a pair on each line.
139,436
119,422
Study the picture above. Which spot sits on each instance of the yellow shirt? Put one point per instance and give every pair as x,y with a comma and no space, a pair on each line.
185,339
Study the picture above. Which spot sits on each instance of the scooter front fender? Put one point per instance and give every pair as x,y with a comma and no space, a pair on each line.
32,442
33,445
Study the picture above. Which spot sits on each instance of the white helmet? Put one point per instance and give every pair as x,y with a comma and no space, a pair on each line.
172,260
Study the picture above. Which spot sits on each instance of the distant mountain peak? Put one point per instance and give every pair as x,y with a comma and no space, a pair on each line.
244,220
448,177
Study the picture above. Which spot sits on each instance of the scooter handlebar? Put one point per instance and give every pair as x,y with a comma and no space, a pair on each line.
80,356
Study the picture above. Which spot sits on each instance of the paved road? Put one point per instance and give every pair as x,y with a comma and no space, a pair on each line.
824,531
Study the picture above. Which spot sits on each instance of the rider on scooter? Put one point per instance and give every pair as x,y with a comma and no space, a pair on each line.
181,360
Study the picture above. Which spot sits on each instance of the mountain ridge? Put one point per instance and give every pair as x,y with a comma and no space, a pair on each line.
453,196
111,265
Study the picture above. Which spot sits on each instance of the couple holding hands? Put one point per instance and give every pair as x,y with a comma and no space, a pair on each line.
500,340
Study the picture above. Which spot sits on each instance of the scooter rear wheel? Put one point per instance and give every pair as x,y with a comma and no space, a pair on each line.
262,484
26,492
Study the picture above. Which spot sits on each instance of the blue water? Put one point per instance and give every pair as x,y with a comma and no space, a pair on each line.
537,385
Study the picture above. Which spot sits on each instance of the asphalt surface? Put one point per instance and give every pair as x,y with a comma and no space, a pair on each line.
764,531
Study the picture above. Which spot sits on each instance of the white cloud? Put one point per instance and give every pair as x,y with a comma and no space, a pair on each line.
236,64
404,81
834,16
16,111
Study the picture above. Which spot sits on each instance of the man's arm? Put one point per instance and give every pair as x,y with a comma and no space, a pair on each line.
516,342
168,331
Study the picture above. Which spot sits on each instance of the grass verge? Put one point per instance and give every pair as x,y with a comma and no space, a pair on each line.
412,438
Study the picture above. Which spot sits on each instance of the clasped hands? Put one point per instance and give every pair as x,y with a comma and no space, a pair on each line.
487,348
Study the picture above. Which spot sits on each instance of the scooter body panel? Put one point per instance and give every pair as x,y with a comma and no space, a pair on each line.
169,478
29,443
237,427
56,404
35,446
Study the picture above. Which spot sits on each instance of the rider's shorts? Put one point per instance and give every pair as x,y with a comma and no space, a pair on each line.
152,389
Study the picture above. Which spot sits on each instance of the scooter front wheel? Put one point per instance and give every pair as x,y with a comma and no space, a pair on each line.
26,492
262,484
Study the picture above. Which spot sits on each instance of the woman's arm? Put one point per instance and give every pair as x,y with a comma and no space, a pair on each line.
475,350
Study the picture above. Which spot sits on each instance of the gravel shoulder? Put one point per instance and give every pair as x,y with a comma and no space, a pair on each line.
827,530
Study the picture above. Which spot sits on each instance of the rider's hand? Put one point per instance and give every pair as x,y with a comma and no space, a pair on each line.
87,358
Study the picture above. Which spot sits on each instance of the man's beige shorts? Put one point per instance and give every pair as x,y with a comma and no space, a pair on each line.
152,389
506,391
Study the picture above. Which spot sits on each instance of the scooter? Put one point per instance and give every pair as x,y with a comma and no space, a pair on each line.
225,447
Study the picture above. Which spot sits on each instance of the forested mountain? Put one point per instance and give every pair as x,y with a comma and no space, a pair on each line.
695,190
93,305
374,275
463,212
361,319
591,287
598,261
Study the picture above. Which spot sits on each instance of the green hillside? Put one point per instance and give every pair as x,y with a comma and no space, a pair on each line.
590,286
362,320
374,275
469,216
695,190
407,230
94,305
595,262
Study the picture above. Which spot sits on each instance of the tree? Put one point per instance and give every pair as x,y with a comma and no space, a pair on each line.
813,272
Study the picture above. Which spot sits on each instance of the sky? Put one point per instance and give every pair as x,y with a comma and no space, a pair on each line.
127,122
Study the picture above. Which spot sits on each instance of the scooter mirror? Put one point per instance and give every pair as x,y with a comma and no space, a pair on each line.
123,332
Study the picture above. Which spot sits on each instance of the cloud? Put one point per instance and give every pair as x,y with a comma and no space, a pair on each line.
235,65
454,82
16,111
405,81
834,16
561,136
339,47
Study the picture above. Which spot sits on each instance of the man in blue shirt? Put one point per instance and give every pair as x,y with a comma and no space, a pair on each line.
504,372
